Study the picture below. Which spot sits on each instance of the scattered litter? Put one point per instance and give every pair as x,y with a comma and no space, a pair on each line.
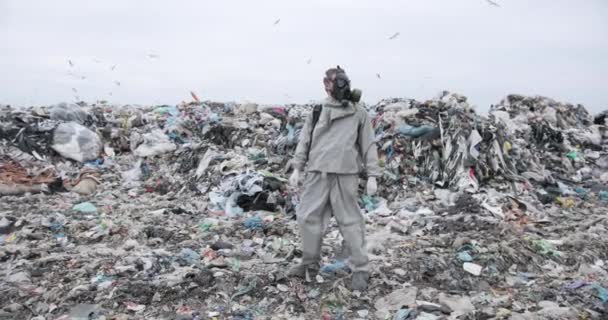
472,268
577,284
465,256
254,223
338,266
184,211
189,256
85,207
602,292
154,143
135,307
404,314
394,301
457,304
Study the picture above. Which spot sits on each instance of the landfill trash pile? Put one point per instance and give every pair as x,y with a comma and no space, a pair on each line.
440,141
184,212
554,143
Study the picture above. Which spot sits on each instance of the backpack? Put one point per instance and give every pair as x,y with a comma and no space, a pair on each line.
316,113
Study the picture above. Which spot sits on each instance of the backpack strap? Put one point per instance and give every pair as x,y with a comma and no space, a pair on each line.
316,113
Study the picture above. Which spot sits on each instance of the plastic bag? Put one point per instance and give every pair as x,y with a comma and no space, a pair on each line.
68,113
76,142
155,143
132,176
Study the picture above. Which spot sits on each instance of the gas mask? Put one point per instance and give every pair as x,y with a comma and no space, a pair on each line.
341,86
337,85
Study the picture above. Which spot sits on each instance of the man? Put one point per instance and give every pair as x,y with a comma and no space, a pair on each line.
336,144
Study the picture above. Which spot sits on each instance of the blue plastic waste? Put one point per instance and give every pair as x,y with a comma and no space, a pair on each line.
214,118
189,256
602,292
254,223
291,132
334,267
171,110
404,314
415,132
85,207
582,193
465,256
370,203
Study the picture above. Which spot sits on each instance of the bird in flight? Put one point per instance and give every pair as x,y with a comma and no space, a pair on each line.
493,3
394,36
276,22
194,96
117,83
309,61
378,75
113,67
71,63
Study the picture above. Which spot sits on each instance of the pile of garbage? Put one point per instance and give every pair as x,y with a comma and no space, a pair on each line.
554,144
441,141
184,212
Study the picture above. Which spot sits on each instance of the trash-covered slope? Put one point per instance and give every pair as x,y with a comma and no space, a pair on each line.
184,212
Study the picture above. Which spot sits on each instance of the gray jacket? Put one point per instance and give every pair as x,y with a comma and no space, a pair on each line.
342,141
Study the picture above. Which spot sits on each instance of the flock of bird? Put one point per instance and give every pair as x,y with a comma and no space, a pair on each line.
156,56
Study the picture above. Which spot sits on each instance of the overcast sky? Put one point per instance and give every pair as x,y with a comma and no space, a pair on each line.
233,51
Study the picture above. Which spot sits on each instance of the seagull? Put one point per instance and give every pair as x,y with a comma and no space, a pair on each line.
276,22
153,56
76,75
113,67
309,61
117,83
74,89
378,75
396,35
194,96
71,63
493,3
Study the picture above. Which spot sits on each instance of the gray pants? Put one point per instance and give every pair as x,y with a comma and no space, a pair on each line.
327,194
